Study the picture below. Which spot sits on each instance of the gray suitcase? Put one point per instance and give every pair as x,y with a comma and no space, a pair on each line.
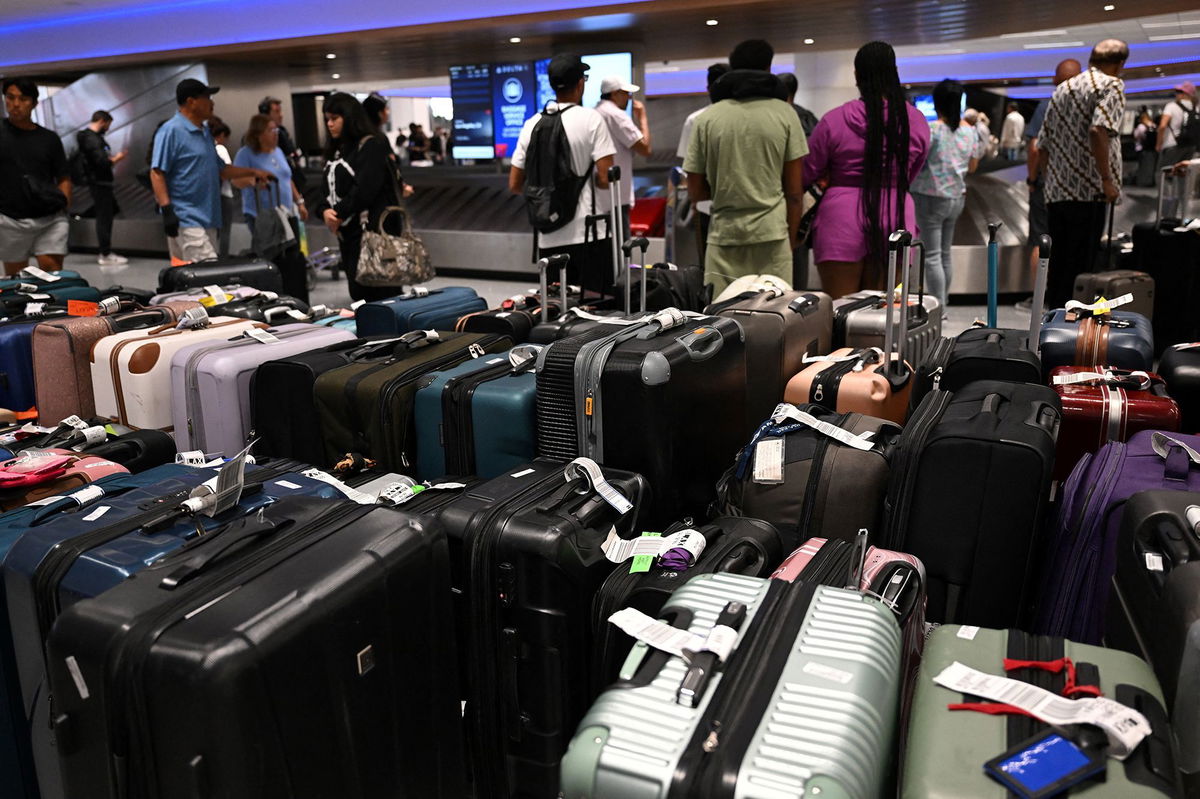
1089,286
807,704
860,319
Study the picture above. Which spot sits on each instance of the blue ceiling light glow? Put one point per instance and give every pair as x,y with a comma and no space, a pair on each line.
418,91
1010,64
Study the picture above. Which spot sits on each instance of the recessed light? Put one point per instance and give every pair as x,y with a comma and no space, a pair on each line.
808,41
1110,7
331,56
514,40
1051,45
336,76
710,22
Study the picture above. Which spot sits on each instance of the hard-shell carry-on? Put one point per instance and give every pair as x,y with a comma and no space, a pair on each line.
952,734
17,391
1071,337
1092,286
276,632
791,689
873,381
420,309
253,272
1179,367
266,306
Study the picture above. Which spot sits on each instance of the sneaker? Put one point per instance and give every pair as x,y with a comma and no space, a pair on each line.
112,259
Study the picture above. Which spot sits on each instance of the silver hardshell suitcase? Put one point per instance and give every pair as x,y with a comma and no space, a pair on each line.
859,320
806,702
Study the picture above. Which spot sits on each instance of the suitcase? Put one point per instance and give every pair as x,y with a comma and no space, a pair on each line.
526,564
1110,406
584,310
1173,261
208,296
819,481
137,450
210,383
337,320
973,472
515,318
946,748
17,390
304,637
78,470
1081,553
664,398
781,329
60,349
421,309
671,286
1152,610
859,319
274,309
241,270
366,406
477,418
1091,286
732,546
806,704
1179,368
36,279
131,371
1124,341
1179,194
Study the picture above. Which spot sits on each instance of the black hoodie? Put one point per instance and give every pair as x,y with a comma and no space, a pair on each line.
748,84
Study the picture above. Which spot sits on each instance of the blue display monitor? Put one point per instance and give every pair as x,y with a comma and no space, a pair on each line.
602,65
924,104
514,100
471,92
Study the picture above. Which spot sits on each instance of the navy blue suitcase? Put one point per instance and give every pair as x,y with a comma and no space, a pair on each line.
17,391
1120,339
68,549
422,309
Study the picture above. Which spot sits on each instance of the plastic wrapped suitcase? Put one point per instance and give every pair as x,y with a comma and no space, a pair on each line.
478,417
1091,286
1179,368
131,371
245,271
812,471
210,382
305,636
805,704
1155,605
973,479
421,309
1120,339
1101,405
946,748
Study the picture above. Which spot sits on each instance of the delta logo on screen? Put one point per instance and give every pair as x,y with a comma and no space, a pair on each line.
513,90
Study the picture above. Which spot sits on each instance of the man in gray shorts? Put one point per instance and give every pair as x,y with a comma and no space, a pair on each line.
35,187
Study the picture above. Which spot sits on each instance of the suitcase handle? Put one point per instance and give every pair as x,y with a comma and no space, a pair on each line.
140,319
702,344
253,528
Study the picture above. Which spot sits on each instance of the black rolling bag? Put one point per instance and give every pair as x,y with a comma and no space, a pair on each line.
238,270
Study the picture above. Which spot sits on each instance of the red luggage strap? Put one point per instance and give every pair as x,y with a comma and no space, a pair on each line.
1071,689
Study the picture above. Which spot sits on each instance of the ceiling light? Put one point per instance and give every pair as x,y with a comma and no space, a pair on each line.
710,22
1051,45
336,75
514,40
1032,34
1174,36
1110,7
331,56
808,41
1180,23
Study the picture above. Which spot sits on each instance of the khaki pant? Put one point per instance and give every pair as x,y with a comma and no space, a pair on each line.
724,264
193,244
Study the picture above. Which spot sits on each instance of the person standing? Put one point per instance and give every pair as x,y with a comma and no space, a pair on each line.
808,120
220,133
35,184
1080,143
98,161
273,108
629,136
703,208
1010,133
261,151
939,190
1175,140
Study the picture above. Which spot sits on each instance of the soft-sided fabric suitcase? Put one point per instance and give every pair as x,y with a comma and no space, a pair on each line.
1121,339
515,318
1179,368
1081,556
1091,286
36,278
366,406
946,749
1101,405
269,307
478,417
422,309
302,634
338,320
62,371
812,471
17,300
137,450
208,296
131,371
527,565
664,398
806,704
210,383
781,329
1173,260
973,473
259,274
1155,606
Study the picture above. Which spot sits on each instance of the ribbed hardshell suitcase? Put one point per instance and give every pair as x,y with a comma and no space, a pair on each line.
946,748
1091,286
301,635
262,275
859,320
1179,367
210,383
421,309
806,704
131,371
1121,339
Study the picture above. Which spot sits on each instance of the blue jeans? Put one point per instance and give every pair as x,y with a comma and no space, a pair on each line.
936,217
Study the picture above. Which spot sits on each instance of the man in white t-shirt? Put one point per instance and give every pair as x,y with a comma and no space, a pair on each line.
1173,116
629,136
1011,133
704,207
591,148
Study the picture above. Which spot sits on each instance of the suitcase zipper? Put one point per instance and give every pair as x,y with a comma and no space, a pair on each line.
830,564
909,455
458,427
816,464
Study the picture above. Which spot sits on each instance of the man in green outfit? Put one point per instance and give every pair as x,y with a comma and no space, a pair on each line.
745,154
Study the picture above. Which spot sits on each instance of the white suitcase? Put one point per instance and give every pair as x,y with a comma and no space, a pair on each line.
131,372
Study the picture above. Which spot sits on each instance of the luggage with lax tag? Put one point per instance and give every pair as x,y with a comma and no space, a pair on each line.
963,721
788,690
1092,286
872,381
240,270
1072,337
420,309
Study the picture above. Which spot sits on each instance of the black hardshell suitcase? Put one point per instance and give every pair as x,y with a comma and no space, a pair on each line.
236,270
274,309
1180,369
301,652
526,563
1173,260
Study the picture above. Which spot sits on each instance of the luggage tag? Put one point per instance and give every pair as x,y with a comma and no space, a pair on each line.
262,336
106,306
82,308
786,410
193,318
1162,444
40,274
676,552
588,470
1048,764
34,308
350,493
297,315
354,306
222,492
768,461
91,436
1099,307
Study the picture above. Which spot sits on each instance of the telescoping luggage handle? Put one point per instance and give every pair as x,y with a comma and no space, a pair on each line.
559,262
993,267
1039,294
642,243
899,247
618,231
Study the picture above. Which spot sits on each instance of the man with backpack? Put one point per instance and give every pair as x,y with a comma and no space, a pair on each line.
92,165
1179,127
562,158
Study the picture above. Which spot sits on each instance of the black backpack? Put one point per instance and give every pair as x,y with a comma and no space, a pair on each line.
1189,129
551,186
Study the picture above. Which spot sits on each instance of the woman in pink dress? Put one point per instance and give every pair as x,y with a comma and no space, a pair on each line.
866,152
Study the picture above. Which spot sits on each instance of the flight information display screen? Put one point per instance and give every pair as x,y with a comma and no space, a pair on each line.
471,91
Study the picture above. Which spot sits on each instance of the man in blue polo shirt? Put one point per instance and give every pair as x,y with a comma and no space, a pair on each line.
186,173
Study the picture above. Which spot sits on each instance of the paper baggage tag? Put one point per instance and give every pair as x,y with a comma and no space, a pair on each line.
97,513
350,493
85,495
221,492
41,274
299,315
1154,562
655,633
787,411
217,294
641,563
768,461
1124,726
82,308
354,306
91,436
652,545
1162,443
193,457
1192,514
193,317
261,335
590,470
34,308
1100,306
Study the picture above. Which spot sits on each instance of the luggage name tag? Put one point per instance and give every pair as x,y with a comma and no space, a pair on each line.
298,315
34,308
40,274
221,492
1100,306
350,493
262,336
768,461
217,294
589,470
1048,764
82,308
193,318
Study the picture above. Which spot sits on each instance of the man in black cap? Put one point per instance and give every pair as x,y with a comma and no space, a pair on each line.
591,155
186,174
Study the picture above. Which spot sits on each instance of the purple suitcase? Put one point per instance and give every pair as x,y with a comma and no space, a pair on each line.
210,383
1082,554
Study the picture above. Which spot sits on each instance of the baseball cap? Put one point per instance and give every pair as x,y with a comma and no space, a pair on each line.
565,70
190,87
1187,87
614,84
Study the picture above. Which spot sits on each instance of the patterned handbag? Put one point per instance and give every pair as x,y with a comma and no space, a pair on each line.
388,259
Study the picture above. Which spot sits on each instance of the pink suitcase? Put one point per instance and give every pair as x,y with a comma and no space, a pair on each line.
210,382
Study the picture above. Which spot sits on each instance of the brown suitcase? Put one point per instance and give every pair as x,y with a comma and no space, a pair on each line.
1090,286
869,381
62,372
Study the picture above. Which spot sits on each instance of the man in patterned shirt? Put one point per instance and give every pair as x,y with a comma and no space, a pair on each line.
1080,148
